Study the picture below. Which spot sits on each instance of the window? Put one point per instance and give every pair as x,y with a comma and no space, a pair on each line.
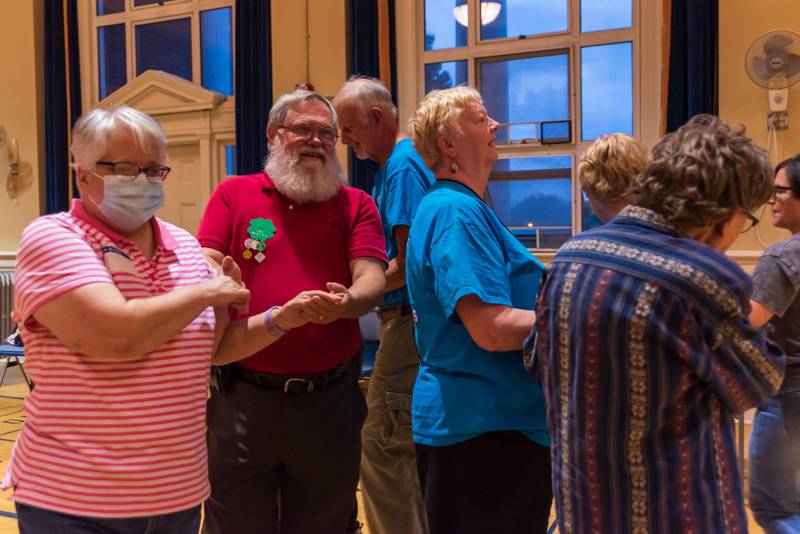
533,197
192,39
556,74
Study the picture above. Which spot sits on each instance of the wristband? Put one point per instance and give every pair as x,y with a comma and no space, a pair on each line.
272,328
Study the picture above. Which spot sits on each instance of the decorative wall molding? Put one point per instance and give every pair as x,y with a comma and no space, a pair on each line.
8,260
156,93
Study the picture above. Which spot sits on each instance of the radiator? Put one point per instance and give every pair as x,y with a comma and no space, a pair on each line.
6,303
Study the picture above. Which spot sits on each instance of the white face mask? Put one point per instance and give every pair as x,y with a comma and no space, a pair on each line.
130,204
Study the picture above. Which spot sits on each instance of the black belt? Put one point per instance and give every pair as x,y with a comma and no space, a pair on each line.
296,384
390,312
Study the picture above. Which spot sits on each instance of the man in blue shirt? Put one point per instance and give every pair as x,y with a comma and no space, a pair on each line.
392,498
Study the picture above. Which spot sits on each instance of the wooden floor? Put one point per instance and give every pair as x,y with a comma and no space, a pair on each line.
12,394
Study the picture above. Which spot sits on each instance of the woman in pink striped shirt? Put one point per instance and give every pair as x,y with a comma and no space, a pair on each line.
117,310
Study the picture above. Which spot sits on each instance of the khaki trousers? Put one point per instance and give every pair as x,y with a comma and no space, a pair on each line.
389,481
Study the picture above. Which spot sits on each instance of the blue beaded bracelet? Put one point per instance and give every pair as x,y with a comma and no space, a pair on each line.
272,328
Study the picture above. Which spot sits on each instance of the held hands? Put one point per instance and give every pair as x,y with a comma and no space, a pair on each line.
223,290
329,312
316,306
231,269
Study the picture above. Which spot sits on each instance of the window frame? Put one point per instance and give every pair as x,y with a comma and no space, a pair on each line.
644,34
89,22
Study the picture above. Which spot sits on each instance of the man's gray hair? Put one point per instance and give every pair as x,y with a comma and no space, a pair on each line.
366,92
287,102
93,129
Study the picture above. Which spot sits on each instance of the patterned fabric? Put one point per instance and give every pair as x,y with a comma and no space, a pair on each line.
645,354
110,437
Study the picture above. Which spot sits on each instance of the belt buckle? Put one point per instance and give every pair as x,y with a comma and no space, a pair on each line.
289,381
388,313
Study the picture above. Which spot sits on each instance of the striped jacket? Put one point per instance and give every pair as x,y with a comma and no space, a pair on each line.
645,354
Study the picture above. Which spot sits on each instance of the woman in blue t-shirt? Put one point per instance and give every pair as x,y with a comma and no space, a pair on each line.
478,420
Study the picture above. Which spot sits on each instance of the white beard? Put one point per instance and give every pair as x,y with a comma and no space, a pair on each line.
301,183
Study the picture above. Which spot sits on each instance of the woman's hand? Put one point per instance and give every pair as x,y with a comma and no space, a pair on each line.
225,291
231,268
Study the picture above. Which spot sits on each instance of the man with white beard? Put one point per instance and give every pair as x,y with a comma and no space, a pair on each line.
284,424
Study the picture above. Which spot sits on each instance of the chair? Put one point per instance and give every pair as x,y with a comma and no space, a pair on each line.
11,355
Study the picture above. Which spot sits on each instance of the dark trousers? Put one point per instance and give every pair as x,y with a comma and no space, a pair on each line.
498,482
34,520
281,463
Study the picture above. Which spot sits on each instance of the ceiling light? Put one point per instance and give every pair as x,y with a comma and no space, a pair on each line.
489,12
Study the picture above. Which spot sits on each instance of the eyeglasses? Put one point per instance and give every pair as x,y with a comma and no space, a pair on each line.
128,171
750,221
779,189
304,132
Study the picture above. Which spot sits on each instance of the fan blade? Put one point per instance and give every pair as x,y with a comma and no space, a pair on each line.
776,43
793,65
760,69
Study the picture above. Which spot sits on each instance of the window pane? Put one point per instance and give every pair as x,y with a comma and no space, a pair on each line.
588,217
522,17
107,7
230,160
605,14
606,76
533,197
165,46
532,89
111,58
442,30
444,75
217,50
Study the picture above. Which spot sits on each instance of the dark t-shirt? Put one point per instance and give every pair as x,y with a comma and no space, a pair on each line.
776,285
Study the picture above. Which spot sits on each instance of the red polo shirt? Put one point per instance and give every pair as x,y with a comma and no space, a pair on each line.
312,244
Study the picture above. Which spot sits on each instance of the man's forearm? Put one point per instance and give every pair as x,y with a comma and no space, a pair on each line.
366,291
395,275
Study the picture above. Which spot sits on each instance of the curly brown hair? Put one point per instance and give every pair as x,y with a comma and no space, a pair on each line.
702,173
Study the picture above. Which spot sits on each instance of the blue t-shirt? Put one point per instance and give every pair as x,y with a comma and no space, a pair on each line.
399,187
457,247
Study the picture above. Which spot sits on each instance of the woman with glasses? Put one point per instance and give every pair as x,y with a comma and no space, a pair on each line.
117,310
775,439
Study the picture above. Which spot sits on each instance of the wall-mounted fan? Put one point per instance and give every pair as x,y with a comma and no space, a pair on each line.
773,62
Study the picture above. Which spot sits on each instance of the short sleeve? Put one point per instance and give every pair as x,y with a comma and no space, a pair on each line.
53,259
774,284
468,259
216,225
404,191
365,239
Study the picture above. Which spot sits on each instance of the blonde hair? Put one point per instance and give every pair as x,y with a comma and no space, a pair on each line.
610,165
436,117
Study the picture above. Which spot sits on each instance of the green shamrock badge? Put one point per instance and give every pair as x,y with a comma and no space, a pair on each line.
261,229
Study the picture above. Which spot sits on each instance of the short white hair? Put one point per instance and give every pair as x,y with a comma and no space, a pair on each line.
93,129
286,103
365,92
